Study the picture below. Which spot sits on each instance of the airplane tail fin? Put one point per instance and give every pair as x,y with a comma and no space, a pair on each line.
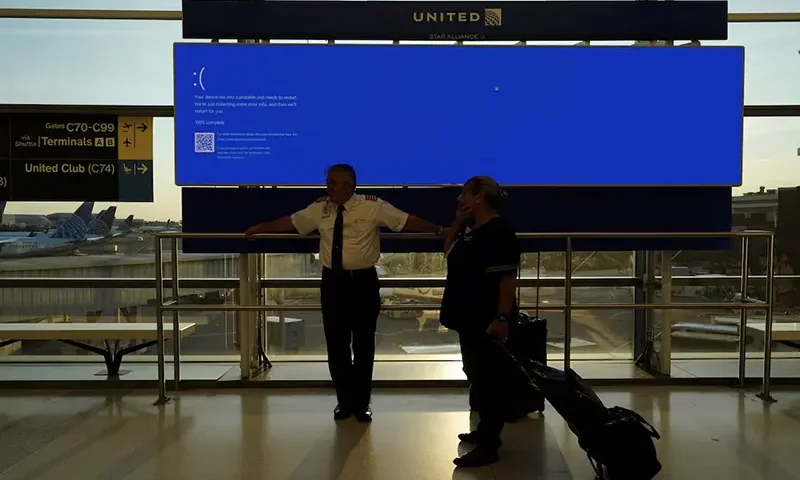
128,225
76,225
94,221
101,224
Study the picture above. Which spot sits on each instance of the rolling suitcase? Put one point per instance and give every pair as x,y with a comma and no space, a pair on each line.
618,441
527,339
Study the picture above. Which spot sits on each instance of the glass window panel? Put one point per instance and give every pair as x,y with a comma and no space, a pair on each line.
95,4
753,6
770,161
748,6
772,63
292,41
92,62
416,334
771,153
713,332
213,331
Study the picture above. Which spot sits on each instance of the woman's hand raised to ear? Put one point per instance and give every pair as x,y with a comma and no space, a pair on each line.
462,213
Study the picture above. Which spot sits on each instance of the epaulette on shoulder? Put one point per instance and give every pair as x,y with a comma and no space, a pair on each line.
371,198
321,199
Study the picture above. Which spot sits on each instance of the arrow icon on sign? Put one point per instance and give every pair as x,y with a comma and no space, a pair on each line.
142,127
142,169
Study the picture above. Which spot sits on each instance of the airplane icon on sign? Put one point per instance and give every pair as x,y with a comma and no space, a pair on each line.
127,126
127,143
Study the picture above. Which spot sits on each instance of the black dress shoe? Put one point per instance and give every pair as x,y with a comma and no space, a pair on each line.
364,415
477,457
342,412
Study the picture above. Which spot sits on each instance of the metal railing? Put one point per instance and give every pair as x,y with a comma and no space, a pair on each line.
568,282
618,281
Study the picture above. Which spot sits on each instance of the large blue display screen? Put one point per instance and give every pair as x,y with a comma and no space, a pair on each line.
437,115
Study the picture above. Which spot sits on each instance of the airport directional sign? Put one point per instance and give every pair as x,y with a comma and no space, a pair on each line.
76,157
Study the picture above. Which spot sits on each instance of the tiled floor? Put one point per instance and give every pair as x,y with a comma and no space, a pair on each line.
290,435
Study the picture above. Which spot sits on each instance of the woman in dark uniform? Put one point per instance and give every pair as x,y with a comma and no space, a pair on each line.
479,299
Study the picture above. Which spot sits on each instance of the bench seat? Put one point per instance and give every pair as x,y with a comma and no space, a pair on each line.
781,332
705,331
76,333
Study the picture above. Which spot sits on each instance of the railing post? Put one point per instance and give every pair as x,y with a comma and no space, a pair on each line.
243,317
261,295
665,352
567,303
176,327
254,316
743,286
159,267
644,337
766,380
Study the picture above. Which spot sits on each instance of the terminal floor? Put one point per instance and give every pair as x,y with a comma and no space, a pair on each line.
283,434
437,373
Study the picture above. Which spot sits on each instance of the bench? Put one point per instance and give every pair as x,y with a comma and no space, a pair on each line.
724,320
76,333
706,331
786,333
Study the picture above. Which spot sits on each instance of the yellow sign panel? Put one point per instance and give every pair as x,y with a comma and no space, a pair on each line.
135,138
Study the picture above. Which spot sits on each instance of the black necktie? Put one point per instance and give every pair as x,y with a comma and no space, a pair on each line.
338,240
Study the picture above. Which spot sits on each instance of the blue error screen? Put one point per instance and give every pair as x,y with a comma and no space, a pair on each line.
438,115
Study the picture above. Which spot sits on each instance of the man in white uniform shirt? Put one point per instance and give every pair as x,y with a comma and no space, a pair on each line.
348,224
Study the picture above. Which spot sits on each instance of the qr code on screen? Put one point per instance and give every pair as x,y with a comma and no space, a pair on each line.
203,142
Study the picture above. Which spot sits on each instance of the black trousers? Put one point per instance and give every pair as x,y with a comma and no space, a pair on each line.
350,307
468,366
488,383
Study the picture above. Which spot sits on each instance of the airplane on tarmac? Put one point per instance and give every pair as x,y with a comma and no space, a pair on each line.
68,236
98,226
102,223
125,227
